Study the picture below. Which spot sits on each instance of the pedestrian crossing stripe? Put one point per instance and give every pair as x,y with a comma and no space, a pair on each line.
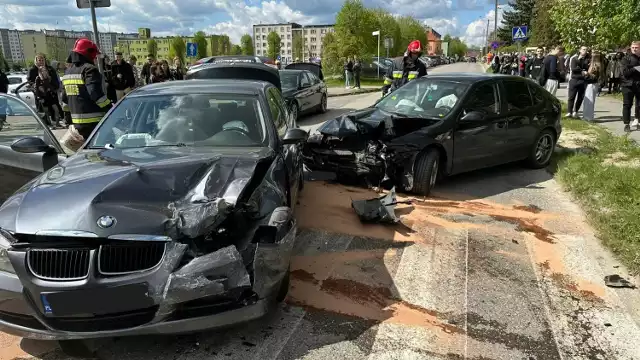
519,34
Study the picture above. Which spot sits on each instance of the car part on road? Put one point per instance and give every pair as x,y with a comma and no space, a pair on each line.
617,281
378,210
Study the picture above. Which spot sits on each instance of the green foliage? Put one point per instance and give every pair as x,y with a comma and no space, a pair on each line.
237,50
389,28
152,47
177,47
521,14
246,44
4,66
354,25
331,59
298,46
607,24
544,30
457,47
273,45
200,38
411,29
17,66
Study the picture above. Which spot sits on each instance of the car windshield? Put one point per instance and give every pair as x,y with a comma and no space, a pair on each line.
183,120
289,79
424,98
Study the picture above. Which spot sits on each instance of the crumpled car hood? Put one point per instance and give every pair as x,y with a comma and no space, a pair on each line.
153,191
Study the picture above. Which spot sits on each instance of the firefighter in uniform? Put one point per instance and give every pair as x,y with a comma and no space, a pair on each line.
83,95
405,68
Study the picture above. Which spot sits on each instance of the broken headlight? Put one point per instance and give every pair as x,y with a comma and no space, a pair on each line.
5,244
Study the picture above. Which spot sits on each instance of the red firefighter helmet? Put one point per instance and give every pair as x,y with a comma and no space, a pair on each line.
414,47
87,48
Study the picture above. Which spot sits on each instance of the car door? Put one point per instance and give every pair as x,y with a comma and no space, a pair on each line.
521,131
290,154
316,97
306,92
16,169
480,143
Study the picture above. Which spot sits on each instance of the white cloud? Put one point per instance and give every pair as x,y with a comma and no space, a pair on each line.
476,32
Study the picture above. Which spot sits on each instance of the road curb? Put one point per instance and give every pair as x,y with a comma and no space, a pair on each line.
358,92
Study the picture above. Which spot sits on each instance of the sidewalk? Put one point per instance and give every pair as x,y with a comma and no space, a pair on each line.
333,91
608,113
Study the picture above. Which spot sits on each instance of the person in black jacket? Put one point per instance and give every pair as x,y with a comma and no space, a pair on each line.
404,68
534,64
551,74
145,74
578,65
122,78
44,79
630,84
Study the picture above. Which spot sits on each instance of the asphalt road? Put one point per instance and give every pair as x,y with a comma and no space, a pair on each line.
497,264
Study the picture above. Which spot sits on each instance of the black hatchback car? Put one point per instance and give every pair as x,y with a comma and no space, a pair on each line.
304,89
437,125
176,215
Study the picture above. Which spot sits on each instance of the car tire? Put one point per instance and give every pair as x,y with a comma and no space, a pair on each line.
426,171
322,108
284,287
542,150
76,348
295,111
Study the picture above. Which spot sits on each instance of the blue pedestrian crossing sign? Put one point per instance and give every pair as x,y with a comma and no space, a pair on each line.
519,32
278,57
192,49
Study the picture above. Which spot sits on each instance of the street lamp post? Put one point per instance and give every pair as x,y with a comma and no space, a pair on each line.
377,33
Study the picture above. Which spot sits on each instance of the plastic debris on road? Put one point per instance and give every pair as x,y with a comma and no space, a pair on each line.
378,210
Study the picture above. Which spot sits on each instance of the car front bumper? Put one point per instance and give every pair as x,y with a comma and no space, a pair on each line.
212,291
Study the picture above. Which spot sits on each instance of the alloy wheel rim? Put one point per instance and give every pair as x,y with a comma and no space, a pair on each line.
324,103
543,148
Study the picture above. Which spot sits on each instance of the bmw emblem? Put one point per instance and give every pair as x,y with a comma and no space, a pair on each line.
106,221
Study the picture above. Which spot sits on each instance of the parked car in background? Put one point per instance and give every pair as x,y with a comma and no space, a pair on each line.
303,88
18,86
235,59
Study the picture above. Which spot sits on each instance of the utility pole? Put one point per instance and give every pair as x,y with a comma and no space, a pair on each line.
486,38
495,22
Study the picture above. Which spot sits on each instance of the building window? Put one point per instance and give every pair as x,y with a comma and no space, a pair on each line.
288,52
313,39
281,28
288,44
288,36
313,31
269,29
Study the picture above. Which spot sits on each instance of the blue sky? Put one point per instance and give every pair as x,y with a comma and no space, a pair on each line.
465,18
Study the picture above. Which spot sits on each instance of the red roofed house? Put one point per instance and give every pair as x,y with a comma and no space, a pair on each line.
435,41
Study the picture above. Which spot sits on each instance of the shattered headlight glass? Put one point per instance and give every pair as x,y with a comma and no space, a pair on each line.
5,244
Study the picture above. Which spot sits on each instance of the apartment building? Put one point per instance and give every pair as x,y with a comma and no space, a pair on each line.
11,46
138,46
310,35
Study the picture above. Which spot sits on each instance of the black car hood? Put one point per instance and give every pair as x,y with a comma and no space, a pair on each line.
382,125
152,191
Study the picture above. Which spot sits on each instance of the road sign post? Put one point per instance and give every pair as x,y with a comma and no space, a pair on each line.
388,44
192,49
92,5
377,33
519,33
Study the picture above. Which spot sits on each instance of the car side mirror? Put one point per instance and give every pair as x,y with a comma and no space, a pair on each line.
473,116
30,145
294,136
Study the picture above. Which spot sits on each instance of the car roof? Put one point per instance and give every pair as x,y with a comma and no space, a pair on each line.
292,71
202,86
471,77
236,70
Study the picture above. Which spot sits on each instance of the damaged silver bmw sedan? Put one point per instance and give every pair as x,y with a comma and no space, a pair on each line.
175,216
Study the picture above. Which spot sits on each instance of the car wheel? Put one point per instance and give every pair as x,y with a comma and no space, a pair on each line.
75,348
322,108
426,171
295,112
284,287
542,150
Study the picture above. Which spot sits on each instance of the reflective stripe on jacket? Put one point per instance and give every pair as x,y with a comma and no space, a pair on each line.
397,75
83,95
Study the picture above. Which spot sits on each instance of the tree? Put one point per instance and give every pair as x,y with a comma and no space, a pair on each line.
246,43
331,58
298,46
237,50
152,47
520,15
545,33
273,45
177,47
457,47
16,66
389,28
606,23
354,25
411,29
200,38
